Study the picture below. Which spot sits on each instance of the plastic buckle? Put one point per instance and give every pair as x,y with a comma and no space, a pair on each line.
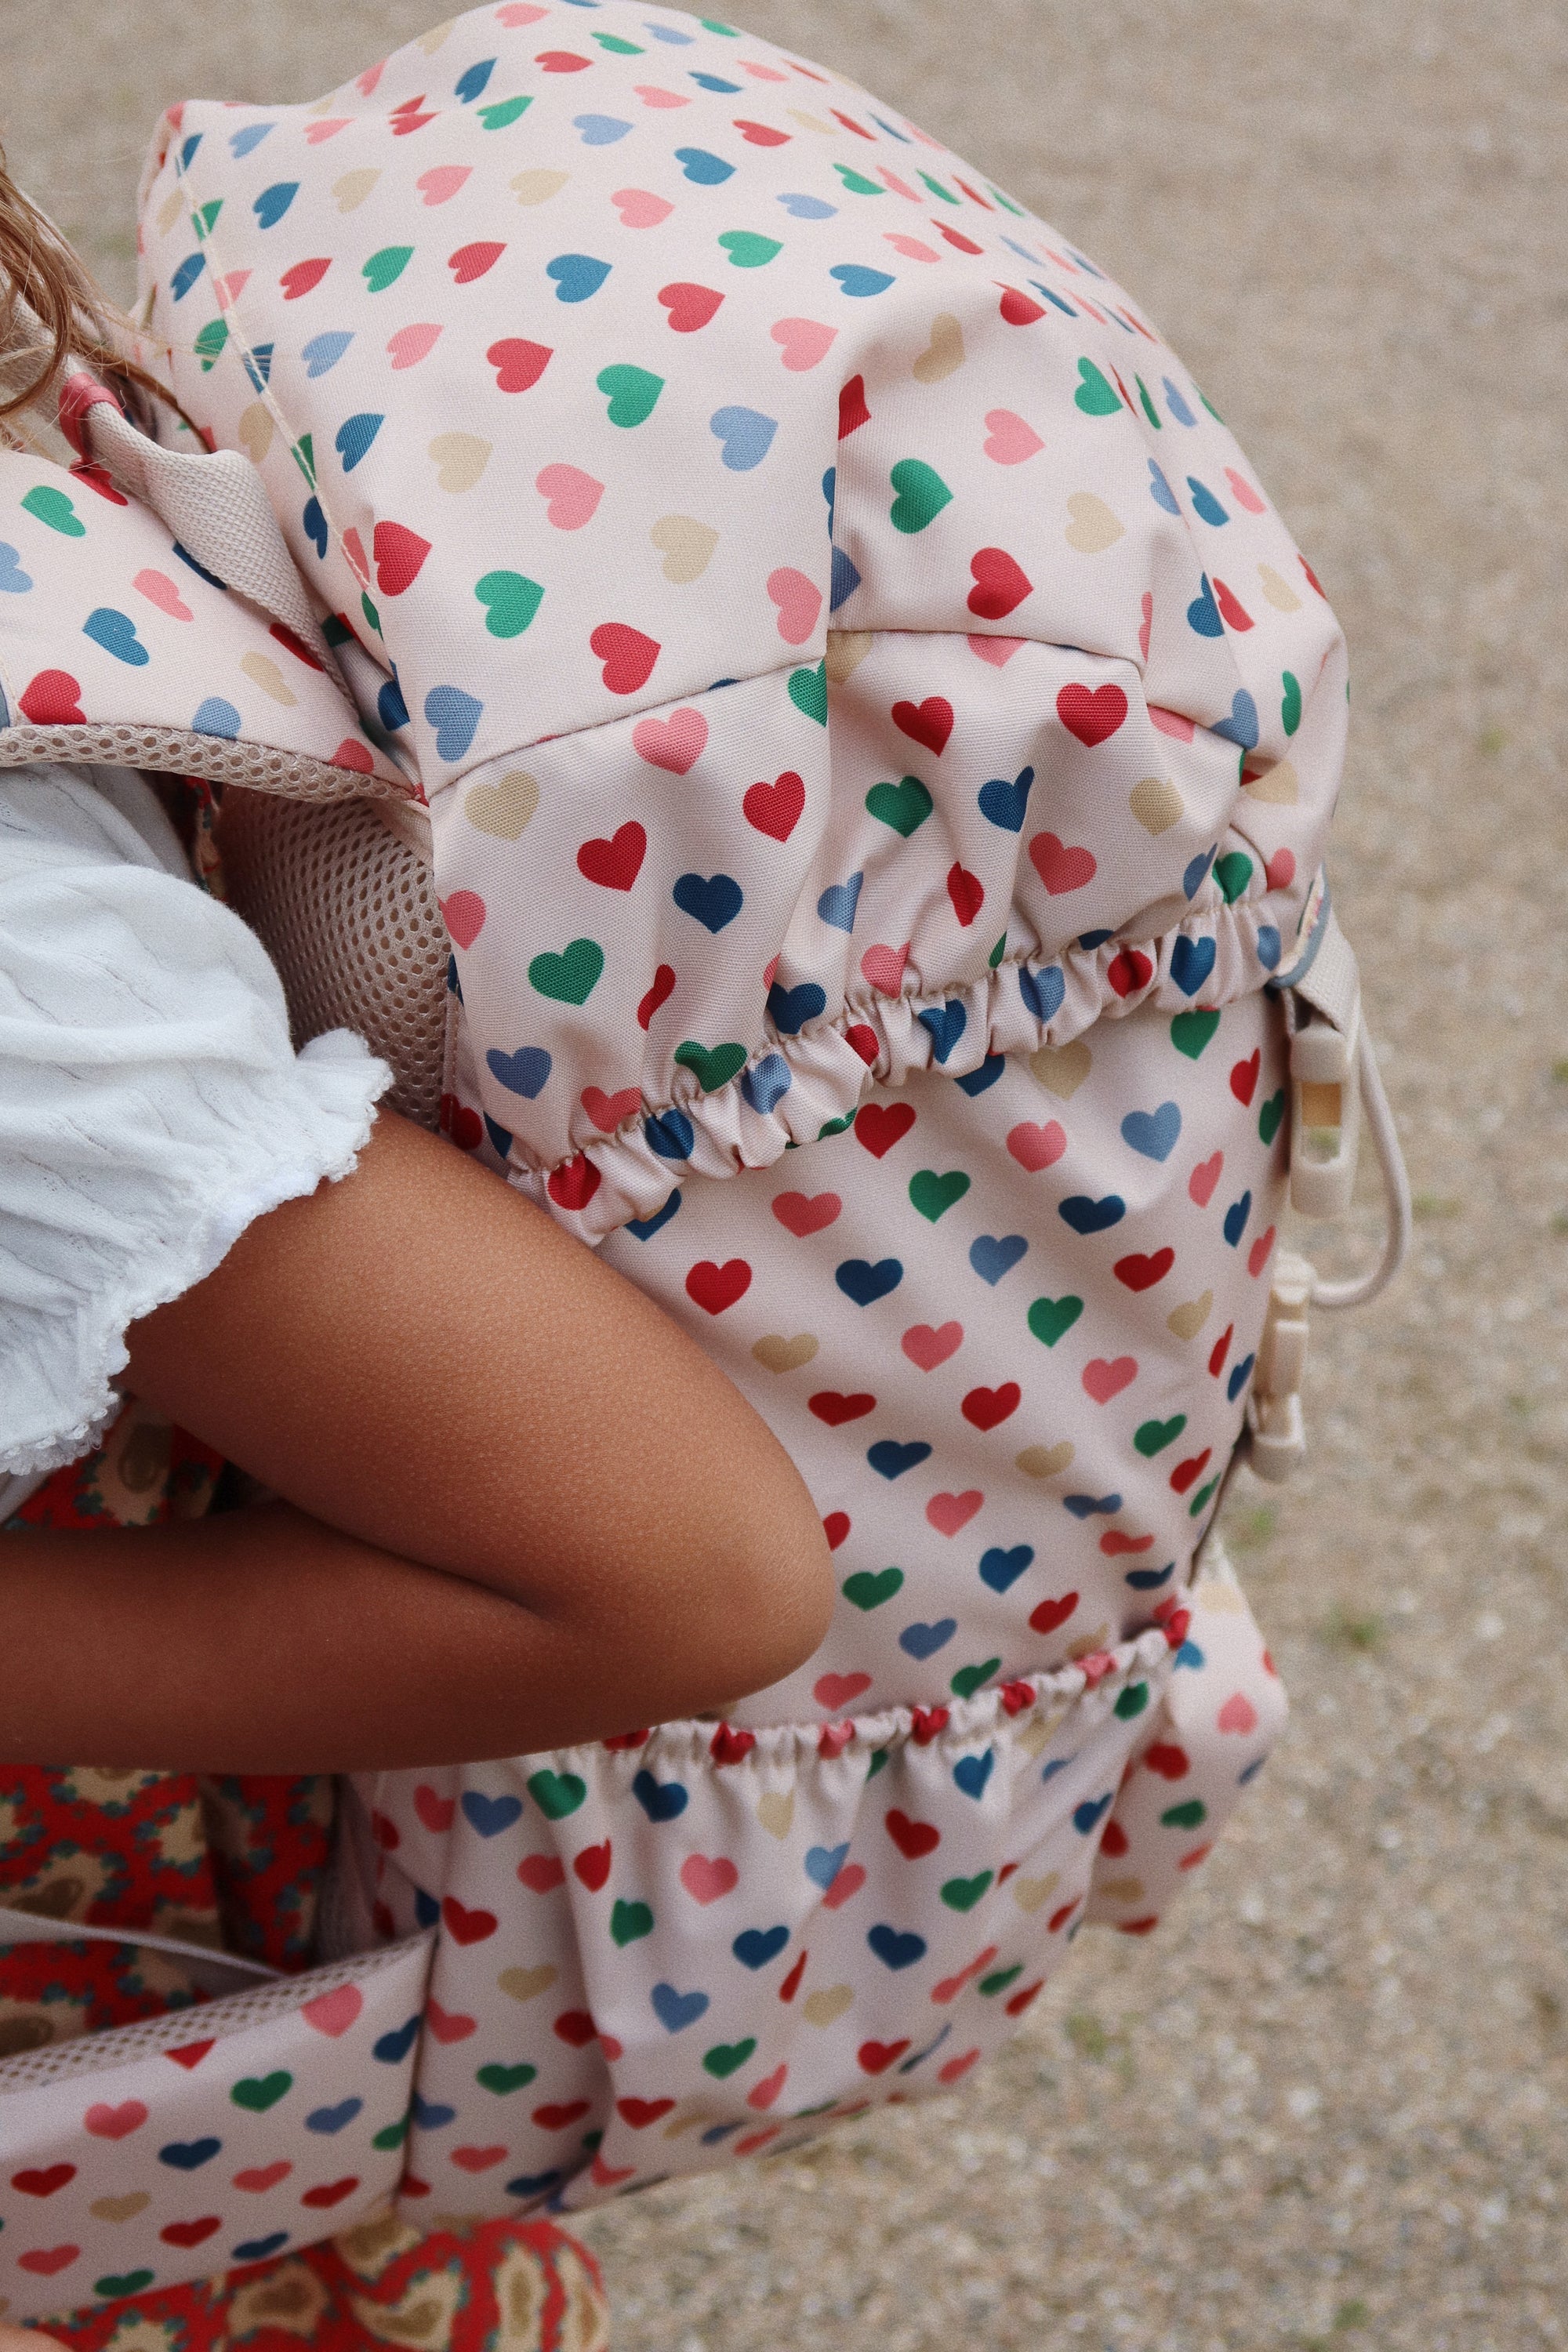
1325,1116
1277,1437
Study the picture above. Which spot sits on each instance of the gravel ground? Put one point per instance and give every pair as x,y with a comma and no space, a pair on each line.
1324,2107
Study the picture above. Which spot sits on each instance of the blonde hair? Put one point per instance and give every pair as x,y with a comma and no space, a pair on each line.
40,273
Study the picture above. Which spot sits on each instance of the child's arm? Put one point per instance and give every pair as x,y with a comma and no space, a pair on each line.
538,1512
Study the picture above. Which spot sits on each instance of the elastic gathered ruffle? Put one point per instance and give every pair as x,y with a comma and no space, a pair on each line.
792,1087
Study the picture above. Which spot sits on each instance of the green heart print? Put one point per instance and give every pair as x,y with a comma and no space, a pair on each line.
571,976
920,495
510,601
715,1066
904,805
631,393
1050,1318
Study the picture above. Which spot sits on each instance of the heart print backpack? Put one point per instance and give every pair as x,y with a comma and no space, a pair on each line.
746,665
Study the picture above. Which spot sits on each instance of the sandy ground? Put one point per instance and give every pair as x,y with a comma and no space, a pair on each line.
1325,2106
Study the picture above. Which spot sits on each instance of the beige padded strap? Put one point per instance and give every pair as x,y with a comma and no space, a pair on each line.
1332,983
216,507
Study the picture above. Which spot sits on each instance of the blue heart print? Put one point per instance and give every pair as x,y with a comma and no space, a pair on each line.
745,436
1241,727
1203,613
645,1228
1197,874
390,707
1087,1817
800,207
500,1138
789,1009
1150,1579
186,275
992,1256
1207,505
1087,1506
947,1023
970,1773
975,1082
661,1801
755,1946
716,83
1236,1218
189,2156
314,523
1001,1570
1153,1133
272,203
256,2250
1240,1376
430,2115
707,171
676,2010
116,633
1161,491
924,1641
323,353
1004,803
1174,401
215,717
14,581
393,2048
473,81
1192,961
846,580
865,1283
600,130
823,1863
856,279
896,1950
767,1084
1270,946
534,2184
1088,1216
577,276
245,143
353,437
670,1134
456,717
711,901
838,903
1042,992
890,1460
331,2120
523,1073
490,1815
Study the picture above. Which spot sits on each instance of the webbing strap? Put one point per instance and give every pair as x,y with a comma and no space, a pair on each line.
217,1972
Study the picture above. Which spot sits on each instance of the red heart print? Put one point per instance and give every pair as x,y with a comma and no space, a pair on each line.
1059,1919
759,134
1243,1077
1220,1351
463,1125
467,1924
593,1866
835,1409
878,1125
1015,1697
608,1112
689,307
450,2025
1258,1255
1093,716
1204,1177
435,1812
948,1513
52,699
330,2192
989,1408
105,2122
663,981
951,1987
639,2113
707,1880
353,550
1051,1615
1232,609
926,1724
928,722
541,1873
45,2180
763,2094
834,1691
1025,1997
1129,972
1036,1147
954,2070
966,892
884,968
831,1740
189,2054
187,2234
1104,1379
1138,1273
616,864
262,2177
627,656
576,2027
714,1288
1113,1844
929,1348
836,1527
729,1746
802,1213
1000,585
518,363
1059,867
774,809
1171,1762
875,2057
1280,870
471,261
303,277
675,743
464,916
574,1184
333,2013
399,556
912,1839
44,2260
628,1740
473,2160
852,410
1117,1546
852,1877
351,753
563,62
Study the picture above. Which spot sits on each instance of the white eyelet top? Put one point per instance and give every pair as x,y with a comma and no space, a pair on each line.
152,1103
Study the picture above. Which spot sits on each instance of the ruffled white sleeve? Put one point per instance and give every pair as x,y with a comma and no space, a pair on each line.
150,1102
